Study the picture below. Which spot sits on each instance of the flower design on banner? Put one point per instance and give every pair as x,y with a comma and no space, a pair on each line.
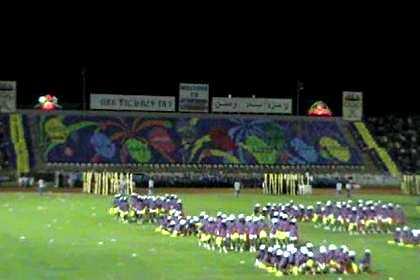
56,133
332,149
263,153
55,130
103,145
221,139
125,132
160,139
305,151
138,150
68,151
244,128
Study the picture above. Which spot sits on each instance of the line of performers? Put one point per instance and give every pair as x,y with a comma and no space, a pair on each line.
410,184
245,233
355,217
223,232
310,260
286,183
406,237
274,236
144,208
105,183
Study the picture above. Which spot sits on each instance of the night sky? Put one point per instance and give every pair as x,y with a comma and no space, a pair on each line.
242,63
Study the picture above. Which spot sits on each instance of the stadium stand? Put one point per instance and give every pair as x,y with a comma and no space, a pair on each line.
7,156
16,151
186,149
400,137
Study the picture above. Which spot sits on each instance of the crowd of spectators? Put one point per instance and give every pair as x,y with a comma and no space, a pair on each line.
199,179
193,179
4,156
400,136
205,175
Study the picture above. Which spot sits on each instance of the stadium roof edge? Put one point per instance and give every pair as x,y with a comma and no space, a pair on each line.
174,114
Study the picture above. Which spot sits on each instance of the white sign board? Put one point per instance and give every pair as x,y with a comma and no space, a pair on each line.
352,105
252,105
7,96
132,102
193,97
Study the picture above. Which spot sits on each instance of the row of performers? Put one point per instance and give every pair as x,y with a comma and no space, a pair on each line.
406,237
309,260
361,216
285,183
144,208
240,233
105,183
223,232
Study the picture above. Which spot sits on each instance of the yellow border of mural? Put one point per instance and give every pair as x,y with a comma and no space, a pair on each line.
18,138
383,154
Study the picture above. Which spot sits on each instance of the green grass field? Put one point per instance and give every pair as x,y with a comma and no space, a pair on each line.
71,236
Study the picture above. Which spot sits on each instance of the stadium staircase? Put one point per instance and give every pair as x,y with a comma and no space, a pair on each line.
345,129
382,153
34,131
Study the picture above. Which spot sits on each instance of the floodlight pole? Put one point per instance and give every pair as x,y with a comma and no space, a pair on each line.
299,87
83,72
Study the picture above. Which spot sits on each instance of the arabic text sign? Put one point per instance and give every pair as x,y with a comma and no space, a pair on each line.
193,97
132,102
7,96
252,105
352,105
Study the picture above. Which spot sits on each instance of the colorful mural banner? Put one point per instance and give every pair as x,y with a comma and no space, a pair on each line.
352,105
7,96
132,102
251,105
193,97
181,139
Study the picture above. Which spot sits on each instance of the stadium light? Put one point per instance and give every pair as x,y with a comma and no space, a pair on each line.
299,88
83,73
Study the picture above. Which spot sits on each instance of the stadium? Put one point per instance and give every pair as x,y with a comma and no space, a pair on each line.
197,185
